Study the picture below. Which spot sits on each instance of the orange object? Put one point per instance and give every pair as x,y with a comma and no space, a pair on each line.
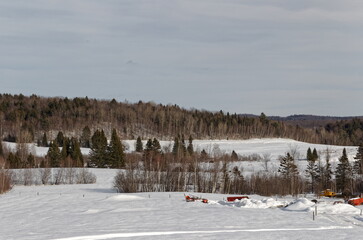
355,201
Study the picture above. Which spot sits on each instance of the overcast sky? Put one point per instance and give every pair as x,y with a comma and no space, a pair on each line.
279,57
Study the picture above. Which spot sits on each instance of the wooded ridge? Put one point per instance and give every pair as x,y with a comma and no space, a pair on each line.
27,118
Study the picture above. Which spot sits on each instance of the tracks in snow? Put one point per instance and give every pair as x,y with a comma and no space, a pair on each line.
145,234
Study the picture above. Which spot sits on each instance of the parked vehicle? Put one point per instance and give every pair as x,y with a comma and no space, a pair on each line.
328,193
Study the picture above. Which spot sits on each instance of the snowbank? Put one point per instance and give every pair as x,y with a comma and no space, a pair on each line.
302,205
251,203
305,205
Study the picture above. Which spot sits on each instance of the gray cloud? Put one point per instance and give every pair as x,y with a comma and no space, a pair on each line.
279,57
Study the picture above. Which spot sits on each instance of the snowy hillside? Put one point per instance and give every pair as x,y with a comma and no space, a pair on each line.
96,211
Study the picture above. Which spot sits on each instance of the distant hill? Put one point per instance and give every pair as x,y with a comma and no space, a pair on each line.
311,121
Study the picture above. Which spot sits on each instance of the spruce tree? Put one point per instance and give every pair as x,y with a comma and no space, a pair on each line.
234,156
149,146
156,146
59,139
116,155
139,146
44,140
76,153
98,152
204,155
289,171
315,155
343,174
65,148
148,153
288,167
358,163
309,154
86,137
54,155
312,169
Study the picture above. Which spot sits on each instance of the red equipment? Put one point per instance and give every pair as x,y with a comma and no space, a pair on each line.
194,198
355,201
232,199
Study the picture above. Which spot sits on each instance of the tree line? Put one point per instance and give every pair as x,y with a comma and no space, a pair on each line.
27,118
181,168
66,152
216,173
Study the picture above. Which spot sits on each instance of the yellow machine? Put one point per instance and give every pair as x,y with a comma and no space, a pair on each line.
328,193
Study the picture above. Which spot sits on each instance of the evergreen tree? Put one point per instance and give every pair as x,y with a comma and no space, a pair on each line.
263,118
44,140
86,137
98,153
75,153
358,163
148,153
139,146
309,154
288,167
156,146
152,150
149,145
343,174
59,139
289,171
327,172
315,155
203,155
54,155
116,155
65,148
312,169
234,156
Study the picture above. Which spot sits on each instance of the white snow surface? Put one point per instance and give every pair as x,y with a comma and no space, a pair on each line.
97,211
254,203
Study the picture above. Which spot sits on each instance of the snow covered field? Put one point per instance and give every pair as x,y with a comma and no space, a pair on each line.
96,211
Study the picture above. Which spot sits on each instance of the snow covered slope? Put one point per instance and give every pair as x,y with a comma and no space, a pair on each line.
96,211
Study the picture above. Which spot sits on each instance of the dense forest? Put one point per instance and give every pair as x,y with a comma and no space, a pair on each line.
28,118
